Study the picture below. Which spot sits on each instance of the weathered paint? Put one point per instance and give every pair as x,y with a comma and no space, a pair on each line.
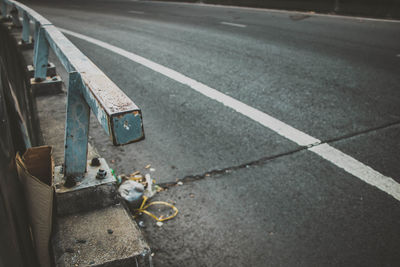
41,54
36,37
89,88
102,95
26,28
97,109
76,129
127,128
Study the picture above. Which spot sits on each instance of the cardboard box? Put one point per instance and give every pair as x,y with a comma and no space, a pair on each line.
36,173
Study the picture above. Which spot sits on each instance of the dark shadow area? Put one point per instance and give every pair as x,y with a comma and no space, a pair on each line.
16,109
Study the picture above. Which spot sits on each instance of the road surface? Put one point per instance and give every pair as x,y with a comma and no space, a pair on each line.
283,127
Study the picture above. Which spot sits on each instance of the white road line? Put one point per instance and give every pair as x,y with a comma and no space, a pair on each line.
338,158
358,169
233,24
135,12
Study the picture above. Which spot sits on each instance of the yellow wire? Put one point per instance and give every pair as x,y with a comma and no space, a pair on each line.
143,209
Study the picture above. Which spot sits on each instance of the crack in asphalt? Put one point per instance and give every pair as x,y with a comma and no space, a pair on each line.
193,178
350,135
263,160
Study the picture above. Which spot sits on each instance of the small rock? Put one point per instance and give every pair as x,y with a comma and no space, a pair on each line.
141,224
179,183
159,224
152,169
147,166
110,231
152,254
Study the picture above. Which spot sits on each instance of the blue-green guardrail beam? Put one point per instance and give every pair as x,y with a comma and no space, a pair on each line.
89,89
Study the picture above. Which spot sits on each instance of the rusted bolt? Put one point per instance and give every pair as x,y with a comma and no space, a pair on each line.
70,181
101,174
95,162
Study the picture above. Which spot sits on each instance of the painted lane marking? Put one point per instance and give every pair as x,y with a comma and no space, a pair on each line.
136,12
233,24
278,126
336,157
358,169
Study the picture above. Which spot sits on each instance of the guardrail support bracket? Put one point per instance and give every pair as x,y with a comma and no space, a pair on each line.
41,54
76,129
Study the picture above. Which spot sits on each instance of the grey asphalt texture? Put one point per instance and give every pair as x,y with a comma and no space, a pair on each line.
249,196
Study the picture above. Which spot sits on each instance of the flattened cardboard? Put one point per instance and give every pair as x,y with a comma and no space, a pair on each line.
36,172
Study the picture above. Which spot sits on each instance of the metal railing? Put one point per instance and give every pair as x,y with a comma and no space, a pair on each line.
88,89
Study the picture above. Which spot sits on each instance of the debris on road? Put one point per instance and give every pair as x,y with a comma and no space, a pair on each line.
179,183
136,190
147,166
159,224
149,190
132,192
143,209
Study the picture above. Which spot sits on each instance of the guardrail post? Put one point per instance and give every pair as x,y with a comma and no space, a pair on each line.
35,38
76,129
26,30
15,18
3,9
41,54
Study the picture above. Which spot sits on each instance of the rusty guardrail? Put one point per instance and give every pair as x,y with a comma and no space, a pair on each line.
88,89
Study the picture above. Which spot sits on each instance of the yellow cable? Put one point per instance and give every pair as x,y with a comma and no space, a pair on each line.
143,209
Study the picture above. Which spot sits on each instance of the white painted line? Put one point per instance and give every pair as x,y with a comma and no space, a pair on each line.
233,24
135,12
338,158
276,125
274,11
358,169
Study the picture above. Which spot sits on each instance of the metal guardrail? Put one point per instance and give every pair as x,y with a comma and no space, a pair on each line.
88,89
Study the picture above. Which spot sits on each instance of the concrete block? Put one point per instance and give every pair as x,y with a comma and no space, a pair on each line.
50,86
102,238
51,70
89,193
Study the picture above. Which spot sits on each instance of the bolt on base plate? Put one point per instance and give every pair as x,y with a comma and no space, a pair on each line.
88,193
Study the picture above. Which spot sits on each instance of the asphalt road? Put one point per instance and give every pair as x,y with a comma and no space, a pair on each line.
251,197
